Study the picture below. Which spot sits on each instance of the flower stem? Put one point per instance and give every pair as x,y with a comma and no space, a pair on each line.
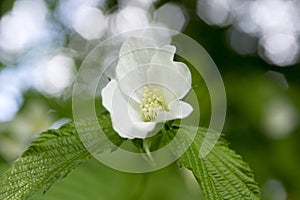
146,147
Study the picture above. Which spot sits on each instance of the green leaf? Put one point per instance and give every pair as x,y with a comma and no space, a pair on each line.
50,158
222,174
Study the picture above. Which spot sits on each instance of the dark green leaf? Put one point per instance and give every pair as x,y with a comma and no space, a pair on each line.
50,158
222,174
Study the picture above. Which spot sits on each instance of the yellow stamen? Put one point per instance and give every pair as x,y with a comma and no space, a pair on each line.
152,103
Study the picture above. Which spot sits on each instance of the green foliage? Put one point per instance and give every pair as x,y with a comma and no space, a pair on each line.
222,174
49,158
95,181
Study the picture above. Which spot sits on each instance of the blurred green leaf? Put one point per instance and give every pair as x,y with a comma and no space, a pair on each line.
49,158
222,174
95,181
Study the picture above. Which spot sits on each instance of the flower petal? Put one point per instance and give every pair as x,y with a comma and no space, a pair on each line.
164,116
177,110
107,94
118,130
125,117
180,109
134,53
131,82
170,79
165,56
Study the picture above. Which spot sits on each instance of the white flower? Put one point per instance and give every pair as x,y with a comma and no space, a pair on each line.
147,89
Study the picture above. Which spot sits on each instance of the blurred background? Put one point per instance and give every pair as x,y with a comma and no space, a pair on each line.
255,45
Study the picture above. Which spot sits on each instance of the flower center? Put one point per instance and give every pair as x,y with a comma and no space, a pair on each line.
152,103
